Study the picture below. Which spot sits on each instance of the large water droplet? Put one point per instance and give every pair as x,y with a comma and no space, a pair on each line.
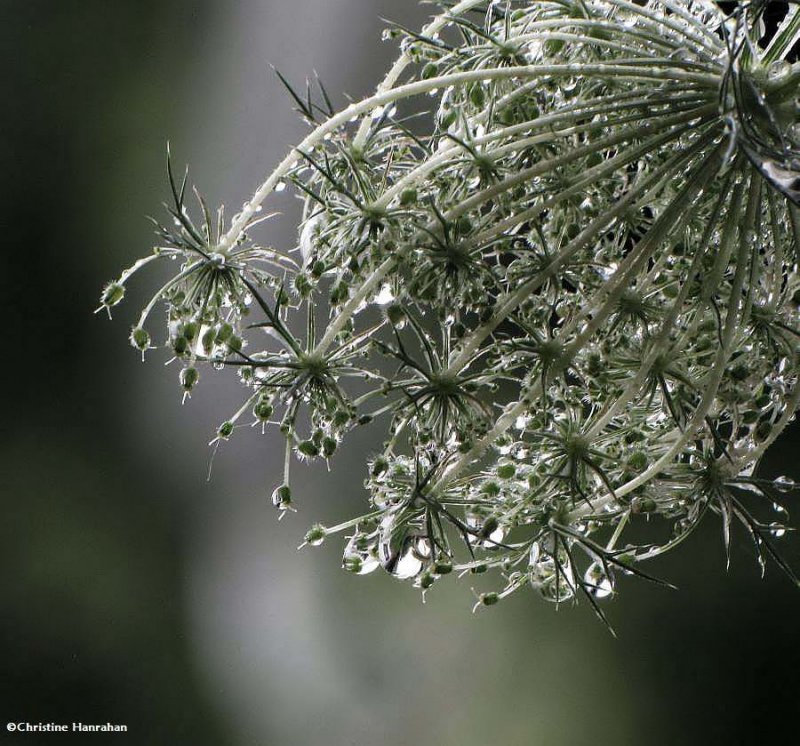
554,579
784,484
402,556
597,582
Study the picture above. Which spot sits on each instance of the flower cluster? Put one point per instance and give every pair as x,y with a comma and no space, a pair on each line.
569,293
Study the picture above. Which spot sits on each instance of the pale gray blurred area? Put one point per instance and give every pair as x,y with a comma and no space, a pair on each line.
293,650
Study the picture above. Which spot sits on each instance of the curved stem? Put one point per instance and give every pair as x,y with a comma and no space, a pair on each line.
660,345
702,175
348,311
633,69
575,113
553,164
710,387
405,60
599,224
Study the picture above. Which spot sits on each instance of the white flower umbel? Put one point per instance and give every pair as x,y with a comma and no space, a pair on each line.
569,295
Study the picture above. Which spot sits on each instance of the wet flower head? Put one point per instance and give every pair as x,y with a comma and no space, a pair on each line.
567,295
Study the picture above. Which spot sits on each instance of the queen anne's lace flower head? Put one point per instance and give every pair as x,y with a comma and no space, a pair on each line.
568,295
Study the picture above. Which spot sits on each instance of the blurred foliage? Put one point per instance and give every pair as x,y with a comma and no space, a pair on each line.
92,609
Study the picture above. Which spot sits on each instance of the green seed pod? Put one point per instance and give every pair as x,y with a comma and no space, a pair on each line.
638,460
207,342
224,333
225,430
282,497
464,225
180,346
429,71
489,599
477,95
316,535
506,471
329,446
379,466
263,409
750,417
353,563
235,343
443,567
763,430
113,293
189,378
303,285
426,580
448,119
488,528
408,197
340,418
190,330
308,448
140,338
644,505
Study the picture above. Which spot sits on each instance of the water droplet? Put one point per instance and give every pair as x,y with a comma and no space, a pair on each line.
555,580
597,582
403,564
359,556
784,484
779,509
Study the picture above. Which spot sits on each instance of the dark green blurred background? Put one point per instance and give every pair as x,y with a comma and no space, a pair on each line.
134,591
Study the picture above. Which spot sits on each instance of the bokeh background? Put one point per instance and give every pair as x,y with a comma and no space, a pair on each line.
133,590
